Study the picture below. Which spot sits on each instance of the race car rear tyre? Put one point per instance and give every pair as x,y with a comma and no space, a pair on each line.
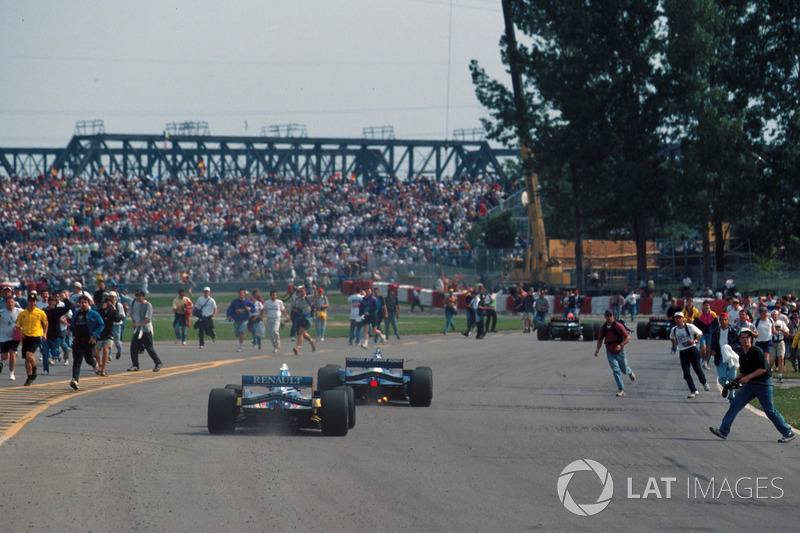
588,332
334,413
351,404
221,411
642,331
542,333
420,389
328,377
235,387
596,331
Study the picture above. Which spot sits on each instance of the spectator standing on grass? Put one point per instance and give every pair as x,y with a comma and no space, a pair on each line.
615,336
685,338
206,307
450,304
755,377
415,301
764,330
778,351
142,319
239,312
275,311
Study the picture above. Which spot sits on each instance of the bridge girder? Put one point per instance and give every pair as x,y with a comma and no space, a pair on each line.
179,157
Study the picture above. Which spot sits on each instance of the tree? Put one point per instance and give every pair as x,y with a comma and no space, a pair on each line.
501,231
590,77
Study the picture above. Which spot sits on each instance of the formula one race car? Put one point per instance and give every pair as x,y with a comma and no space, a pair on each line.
375,379
658,327
278,401
567,329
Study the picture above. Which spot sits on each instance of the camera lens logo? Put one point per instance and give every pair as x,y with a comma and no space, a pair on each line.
586,509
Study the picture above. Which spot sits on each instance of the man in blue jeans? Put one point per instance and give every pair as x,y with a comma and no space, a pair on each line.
754,375
616,336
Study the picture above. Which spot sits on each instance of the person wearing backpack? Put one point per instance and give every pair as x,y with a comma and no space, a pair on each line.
615,336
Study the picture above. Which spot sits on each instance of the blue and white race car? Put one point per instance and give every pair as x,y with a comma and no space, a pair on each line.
281,401
379,380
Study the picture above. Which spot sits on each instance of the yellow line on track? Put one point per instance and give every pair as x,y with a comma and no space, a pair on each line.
23,404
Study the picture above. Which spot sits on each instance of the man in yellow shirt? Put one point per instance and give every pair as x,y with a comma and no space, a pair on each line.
33,324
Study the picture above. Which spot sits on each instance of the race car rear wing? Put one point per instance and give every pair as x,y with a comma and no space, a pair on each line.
278,381
372,362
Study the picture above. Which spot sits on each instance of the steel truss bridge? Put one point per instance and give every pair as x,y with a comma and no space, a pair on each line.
179,157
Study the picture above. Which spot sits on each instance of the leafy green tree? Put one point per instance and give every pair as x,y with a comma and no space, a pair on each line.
591,73
501,230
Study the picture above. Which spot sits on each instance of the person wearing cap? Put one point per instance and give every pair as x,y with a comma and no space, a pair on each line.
206,307
685,338
142,319
755,377
615,336
778,350
32,324
321,305
8,325
725,335
77,291
86,326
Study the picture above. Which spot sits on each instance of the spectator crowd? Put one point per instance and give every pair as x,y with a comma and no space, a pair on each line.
56,230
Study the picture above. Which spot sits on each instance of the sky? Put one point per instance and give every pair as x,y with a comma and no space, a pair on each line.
335,66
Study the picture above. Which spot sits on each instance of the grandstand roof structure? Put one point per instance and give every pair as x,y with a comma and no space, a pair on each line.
180,156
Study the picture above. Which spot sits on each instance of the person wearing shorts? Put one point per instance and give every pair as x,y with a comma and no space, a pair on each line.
110,314
32,323
239,311
707,323
8,324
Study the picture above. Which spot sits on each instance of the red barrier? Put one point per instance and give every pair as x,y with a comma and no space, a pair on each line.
438,298
353,285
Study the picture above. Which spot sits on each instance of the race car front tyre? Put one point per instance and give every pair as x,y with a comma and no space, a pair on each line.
328,377
221,411
542,333
420,391
351,405
334,413
642,330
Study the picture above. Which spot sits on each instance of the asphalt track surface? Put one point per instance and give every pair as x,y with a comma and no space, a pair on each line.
131,452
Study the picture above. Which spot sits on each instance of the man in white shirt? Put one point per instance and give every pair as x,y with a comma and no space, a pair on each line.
685,337
207,307
274,310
